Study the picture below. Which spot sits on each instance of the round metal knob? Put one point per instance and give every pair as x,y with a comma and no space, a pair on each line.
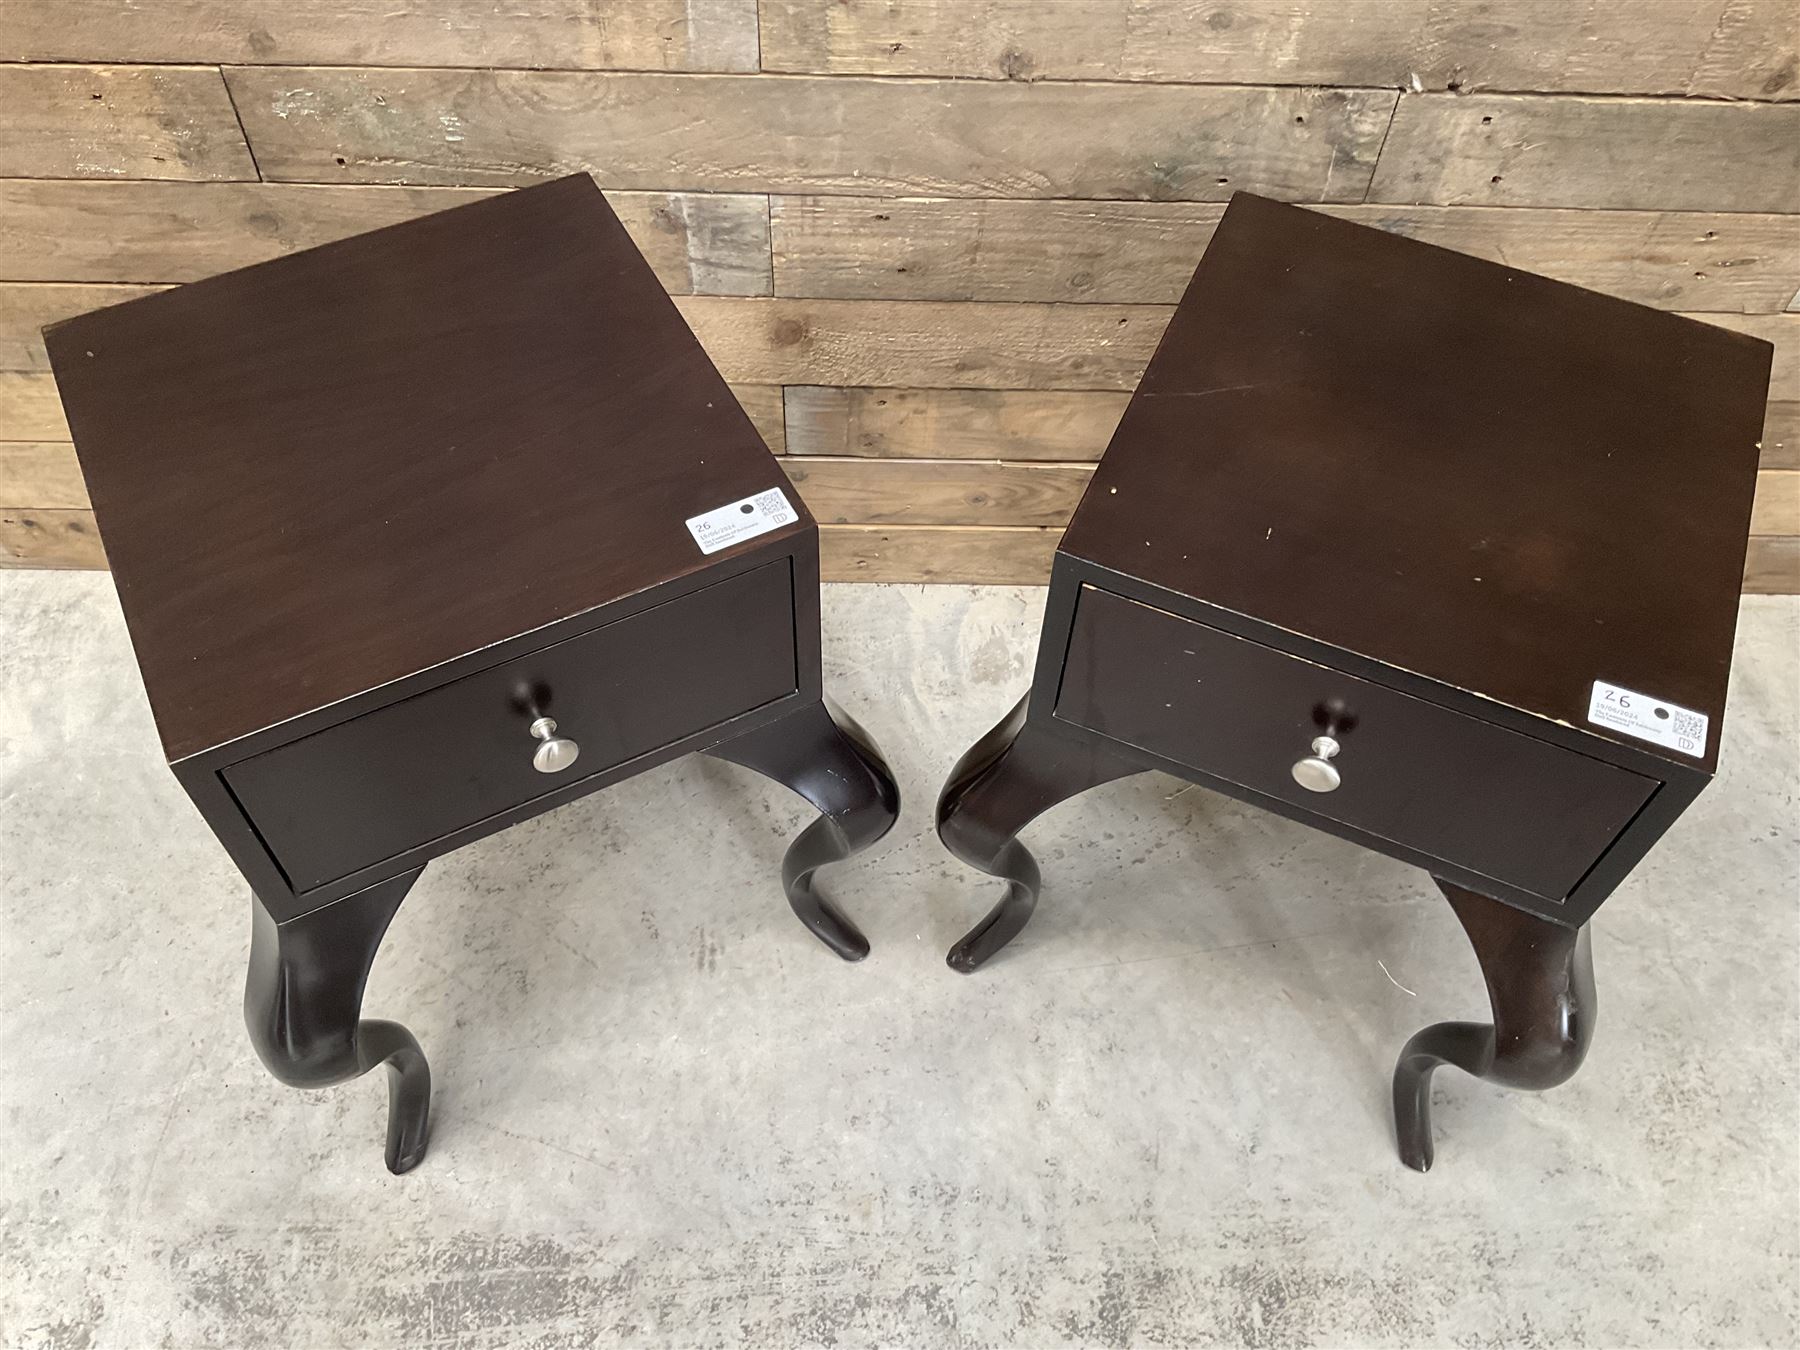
555,753
1316,773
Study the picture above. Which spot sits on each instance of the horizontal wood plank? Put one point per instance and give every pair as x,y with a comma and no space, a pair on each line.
762,403
926,344
938,492
951,423
41,474
1594,46
1772,567
730,133
30,409
1619,153
1145,252
1781,435
1777,508
575,34
49,538
155,232
1032,424
973,556
119,122
25,309
853,247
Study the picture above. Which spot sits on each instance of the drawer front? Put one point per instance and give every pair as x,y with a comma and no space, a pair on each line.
405,775
1519,810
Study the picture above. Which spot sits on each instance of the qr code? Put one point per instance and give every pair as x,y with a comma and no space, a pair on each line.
1687,724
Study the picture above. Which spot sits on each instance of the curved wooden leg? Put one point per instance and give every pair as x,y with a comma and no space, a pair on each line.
828,759
1007,779
1540,981
303,1005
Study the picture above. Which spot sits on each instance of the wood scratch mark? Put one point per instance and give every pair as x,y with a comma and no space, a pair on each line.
1221,389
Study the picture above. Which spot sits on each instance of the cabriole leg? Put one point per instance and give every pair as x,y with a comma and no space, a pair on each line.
1540,981
303,1005
828,759
1007,779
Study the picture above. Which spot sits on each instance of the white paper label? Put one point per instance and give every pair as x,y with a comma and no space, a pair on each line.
1648,719
743,520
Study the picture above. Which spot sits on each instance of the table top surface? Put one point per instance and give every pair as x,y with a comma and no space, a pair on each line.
1503,483
327,472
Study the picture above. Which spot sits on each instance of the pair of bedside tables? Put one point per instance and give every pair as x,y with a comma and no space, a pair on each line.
428,531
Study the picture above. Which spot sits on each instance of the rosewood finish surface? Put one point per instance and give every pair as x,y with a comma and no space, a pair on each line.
404,446
1500,483
402,530
1379,526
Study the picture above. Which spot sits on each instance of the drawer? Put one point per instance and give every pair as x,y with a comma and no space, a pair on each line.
415,771
1519,810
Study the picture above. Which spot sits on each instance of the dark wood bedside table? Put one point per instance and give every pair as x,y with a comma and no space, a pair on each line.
1437,556
423,533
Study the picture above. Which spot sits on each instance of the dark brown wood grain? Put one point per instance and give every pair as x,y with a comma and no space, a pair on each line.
1501,483
393,450
352,796
1510,807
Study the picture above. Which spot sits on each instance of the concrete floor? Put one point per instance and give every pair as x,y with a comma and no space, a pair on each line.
665,1116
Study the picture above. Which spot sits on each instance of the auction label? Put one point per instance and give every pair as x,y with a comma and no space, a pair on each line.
1648,719
743,520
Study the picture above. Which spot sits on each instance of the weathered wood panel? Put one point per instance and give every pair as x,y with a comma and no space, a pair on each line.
24,309
30,409
1781,435
1029,424
1773,567
49,538
726,133
958,345
1017,424
572,34
1622,153
1145,252
974,555
854,247
1592,46
145,232
967,555
1777,509
763,404
926,344
119,122
41,474
938,492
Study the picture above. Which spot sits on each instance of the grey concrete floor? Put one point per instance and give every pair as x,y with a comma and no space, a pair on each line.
665,1116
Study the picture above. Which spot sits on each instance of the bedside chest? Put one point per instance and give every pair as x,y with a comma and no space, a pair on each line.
1437,556
425,532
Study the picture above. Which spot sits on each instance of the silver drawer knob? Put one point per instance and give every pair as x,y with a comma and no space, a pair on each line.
1316,773
557,752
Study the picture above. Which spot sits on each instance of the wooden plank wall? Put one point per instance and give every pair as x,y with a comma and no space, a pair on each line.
931,242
